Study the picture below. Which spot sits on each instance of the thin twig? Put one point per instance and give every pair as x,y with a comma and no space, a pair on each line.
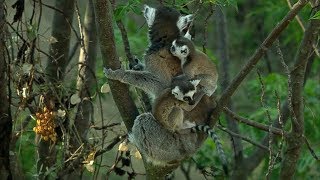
105,126
310,149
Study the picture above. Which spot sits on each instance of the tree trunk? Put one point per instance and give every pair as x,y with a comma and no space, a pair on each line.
295,139
223,54
57,63
120,92
5,116
85,84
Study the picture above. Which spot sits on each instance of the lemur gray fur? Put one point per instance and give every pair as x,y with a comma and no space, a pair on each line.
195,64
165,25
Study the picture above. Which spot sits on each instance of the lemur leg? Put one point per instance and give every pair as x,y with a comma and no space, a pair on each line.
143,80
197,97
175,118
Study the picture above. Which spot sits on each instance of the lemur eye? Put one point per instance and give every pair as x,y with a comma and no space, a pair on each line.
186,98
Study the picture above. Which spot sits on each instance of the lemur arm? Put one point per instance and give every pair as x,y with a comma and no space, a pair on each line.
208,83
143,80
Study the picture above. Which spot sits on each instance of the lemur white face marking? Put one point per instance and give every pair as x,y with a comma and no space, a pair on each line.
188,96
149,13
181,52
184,21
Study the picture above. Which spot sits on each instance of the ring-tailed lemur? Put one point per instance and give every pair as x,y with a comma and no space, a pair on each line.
169,107
195,64
184,90
165,24
169,112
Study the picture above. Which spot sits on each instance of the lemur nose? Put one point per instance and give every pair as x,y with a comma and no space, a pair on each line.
173,48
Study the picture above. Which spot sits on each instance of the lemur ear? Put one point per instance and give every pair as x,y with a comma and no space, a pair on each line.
184,21
188,35
195,82
149,14
175,90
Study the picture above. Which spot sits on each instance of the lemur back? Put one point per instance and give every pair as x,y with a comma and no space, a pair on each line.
196,64
165,25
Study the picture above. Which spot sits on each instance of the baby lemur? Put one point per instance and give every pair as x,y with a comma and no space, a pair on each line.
169,109
195,64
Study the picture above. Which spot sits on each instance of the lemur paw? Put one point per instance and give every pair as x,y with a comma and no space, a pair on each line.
107,71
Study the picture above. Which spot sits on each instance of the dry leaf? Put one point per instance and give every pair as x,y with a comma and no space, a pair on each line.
75,99
61,113
123,147
105,88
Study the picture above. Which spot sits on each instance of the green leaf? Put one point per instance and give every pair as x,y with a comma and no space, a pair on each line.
31,32
316,16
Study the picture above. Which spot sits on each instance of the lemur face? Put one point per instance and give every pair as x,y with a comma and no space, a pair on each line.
150,14
186,93
179,50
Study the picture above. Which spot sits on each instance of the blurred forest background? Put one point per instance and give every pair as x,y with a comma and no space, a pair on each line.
52,72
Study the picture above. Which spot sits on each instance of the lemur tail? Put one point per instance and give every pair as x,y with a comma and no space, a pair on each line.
206,129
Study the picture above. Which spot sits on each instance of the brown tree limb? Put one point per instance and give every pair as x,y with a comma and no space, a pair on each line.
226,95
249,122
243,138
120,91
295,138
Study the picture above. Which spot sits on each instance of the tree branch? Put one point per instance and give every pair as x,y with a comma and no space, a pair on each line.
295,137
226,95
263,127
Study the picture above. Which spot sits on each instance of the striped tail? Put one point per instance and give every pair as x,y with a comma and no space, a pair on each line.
210,132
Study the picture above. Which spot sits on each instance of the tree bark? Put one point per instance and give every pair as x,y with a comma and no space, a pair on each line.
61,31
5,116
57,62
223,54
295,138
120,92
85,84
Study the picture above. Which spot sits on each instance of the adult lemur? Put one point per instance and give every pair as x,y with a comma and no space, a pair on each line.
165,25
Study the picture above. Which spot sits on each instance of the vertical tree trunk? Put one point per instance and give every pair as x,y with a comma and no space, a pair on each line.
223,54
61,31
120,92
295,138
57,63
85,84
5,117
